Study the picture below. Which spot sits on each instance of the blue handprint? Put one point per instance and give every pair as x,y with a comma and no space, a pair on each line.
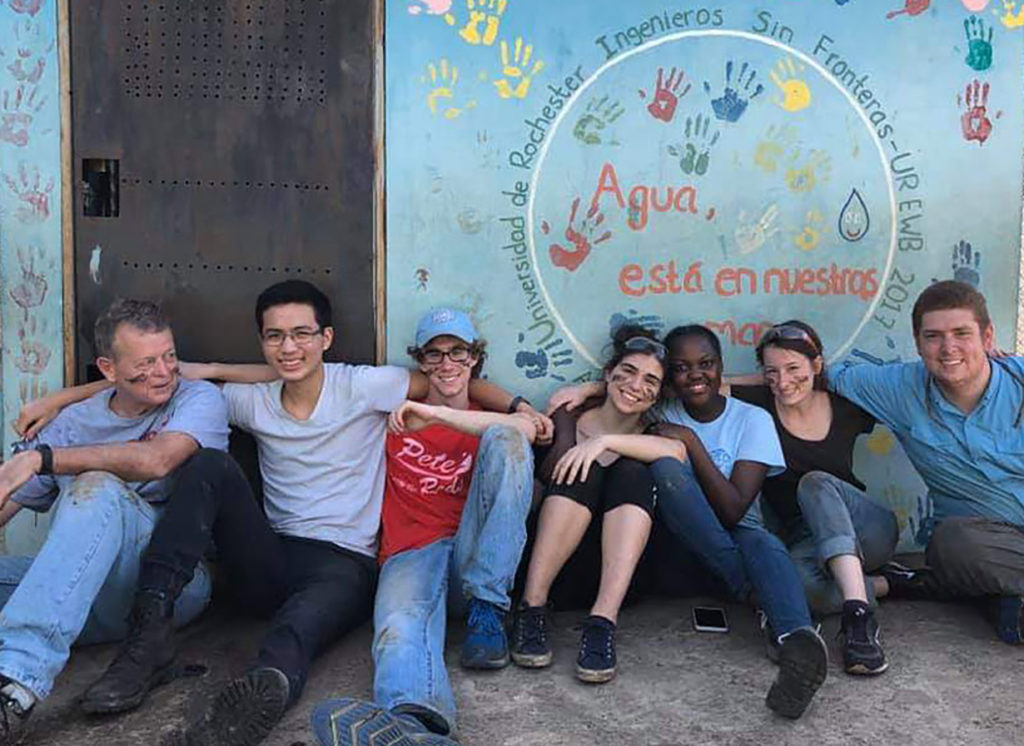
729,107
966,264
922,525
634,318
979,45
537,363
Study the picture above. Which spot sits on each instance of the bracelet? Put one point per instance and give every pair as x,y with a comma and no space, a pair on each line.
514,404
46,453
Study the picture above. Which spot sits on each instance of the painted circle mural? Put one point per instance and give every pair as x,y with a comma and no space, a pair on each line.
658,191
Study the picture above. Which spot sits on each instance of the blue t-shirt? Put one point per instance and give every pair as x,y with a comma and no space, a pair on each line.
196,409
742,432
972,463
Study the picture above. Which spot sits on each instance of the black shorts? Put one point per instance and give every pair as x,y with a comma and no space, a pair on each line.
625,482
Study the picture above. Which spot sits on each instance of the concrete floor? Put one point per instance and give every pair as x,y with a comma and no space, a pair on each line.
950,682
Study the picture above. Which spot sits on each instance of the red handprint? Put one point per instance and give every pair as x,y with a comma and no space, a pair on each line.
31,291
667,94
974,121
33,46
34,197
25,6
17,110
911,8
580,239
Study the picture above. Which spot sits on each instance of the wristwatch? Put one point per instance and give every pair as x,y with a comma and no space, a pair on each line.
514,404
47,456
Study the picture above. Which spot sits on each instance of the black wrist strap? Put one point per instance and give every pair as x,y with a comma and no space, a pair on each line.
514,404
47,456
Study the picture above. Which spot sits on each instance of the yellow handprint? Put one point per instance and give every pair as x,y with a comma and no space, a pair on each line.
442,79
1011,17
517,68
487,13
804,176
881,441
795,93
773,147
809,238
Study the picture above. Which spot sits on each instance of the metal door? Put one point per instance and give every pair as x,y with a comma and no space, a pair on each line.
220,146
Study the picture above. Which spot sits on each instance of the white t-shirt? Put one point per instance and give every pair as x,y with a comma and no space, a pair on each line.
323,478
742,432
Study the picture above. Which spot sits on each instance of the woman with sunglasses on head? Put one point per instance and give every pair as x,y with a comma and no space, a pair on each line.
596,469
817,506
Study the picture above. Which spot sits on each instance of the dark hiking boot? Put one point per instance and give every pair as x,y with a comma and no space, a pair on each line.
143,660
596,661
1008,612
486,644
914,585
16,705
803,665
862,649
530,647
351,722
243,713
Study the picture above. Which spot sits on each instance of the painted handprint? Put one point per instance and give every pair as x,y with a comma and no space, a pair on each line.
600,112
486,14
922,524
32,193
31,7
32,48
750,236
910,8
35,355
581,238
632,317
974,122
769,151
30,291
795,94
18,109
433,8
667,92
979,44
695,153
809,238
537,363
729,107
966,264
442,79
517,69
1012,17
803,175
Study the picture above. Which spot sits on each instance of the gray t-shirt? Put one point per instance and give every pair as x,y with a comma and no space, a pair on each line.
323,477
196,409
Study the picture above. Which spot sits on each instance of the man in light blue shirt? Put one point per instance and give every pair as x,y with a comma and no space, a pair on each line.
958,414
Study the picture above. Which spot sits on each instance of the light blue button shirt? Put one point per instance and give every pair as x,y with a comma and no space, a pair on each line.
973,464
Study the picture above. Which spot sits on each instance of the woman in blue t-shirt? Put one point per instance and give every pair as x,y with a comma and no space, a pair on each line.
817,505
709,505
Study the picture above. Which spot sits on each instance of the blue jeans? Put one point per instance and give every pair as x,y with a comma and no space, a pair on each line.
838,519
745,557
81,585
417,586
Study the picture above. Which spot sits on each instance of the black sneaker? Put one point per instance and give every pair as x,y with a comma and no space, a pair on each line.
907,583
243,713
13,716
530,637
803,665
1008,614
862,650
596,661
142,662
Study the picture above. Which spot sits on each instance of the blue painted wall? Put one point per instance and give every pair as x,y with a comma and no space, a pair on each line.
30,224
559,168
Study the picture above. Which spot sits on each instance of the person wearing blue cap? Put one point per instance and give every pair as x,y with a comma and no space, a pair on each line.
453,527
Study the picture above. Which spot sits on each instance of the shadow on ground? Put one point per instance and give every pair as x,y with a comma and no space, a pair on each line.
950,682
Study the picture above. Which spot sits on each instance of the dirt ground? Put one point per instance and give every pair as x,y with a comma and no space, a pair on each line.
947,684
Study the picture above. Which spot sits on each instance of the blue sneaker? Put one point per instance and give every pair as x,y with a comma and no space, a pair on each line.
486,644
1009,614
352,722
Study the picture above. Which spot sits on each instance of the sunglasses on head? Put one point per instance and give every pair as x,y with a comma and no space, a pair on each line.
644,344
790,332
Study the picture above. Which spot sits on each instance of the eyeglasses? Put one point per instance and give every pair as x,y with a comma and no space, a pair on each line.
455,354
644,344
790,332
302,337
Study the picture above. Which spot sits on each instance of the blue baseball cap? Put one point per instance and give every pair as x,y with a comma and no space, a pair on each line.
445,321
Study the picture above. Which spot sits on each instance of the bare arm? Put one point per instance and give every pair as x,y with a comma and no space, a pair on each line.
415,415
573,396
576,462
729,498
228,372
35,415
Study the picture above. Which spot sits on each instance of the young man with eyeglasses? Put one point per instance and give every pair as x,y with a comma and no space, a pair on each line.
107,467
309,563
957,414
453,526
